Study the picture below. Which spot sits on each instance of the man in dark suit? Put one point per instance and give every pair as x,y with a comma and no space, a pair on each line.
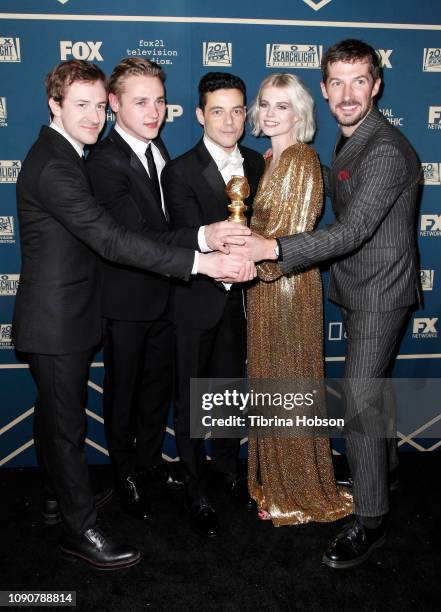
209,319
57,318
373,182
124,170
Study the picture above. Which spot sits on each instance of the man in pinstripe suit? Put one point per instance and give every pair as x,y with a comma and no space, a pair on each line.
373,183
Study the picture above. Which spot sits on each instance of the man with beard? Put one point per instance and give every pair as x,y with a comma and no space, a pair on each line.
373,183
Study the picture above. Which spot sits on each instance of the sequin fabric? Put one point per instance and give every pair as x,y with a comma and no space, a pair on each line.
291,478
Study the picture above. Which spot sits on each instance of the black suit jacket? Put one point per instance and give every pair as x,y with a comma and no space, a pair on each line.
373,183
121,184
57,307
194,192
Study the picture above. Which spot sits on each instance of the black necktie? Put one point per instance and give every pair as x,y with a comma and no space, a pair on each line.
152,171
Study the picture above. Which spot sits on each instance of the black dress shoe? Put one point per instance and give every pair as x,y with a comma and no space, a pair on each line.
99,550
133,496
204,519
238,491
353,545
393,481
163,474
51,511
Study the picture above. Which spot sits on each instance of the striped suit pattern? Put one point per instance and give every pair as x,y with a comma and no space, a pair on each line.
373,183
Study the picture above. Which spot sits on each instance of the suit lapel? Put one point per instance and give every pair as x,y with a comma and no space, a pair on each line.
212,176
139,172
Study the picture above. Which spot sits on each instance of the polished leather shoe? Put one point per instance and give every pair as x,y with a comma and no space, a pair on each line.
99,550
134,499
354,544
204,519
238,491
164,475
393,481
51,511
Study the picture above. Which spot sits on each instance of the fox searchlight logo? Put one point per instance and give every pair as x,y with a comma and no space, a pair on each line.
293,56
217,54
432,60
10,49
9,169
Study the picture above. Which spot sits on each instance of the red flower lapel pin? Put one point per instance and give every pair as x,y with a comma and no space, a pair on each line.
343,175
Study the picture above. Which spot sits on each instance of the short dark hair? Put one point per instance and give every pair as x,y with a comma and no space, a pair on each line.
133,66
213,81
66,73
351,50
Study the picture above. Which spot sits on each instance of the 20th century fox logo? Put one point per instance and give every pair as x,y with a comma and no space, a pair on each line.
293,56
432,60
10,49
217,54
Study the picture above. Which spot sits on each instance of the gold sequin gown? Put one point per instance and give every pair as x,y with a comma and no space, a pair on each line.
291,478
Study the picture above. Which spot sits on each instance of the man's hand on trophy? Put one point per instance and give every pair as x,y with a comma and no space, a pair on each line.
247,273
219,265
220,235
260,248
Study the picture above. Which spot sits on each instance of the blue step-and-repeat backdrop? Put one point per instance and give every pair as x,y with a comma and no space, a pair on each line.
188,38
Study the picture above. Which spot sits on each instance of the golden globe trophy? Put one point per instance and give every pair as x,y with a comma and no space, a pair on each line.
238,189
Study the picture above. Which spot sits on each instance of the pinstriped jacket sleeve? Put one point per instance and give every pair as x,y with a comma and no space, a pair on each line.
380,179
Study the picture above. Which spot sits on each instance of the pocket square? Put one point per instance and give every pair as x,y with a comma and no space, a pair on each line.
343,175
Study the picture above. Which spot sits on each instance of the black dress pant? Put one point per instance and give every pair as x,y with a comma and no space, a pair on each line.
59,433
138,378
218,352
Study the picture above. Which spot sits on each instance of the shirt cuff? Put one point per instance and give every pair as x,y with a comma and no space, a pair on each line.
194,269
203,246
278,250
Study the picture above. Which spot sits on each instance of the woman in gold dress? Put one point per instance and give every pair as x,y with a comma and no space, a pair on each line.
291,478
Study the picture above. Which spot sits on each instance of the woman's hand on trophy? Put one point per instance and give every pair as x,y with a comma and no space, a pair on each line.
220,235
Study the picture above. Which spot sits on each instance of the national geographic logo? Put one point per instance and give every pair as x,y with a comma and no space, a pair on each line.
336,331
425,328
9,284
293,56
3,113
432,173
9,169
7,235
434,122
432,60
217,54
80,50
389,114
427,277
430,226
10,50
6,336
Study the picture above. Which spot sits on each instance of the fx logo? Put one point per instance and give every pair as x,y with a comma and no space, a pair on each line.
383,56
81,50
434,114
431,222
425,326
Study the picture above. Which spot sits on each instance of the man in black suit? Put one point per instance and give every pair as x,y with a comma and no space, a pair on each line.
57,314
209,319
373,182
124,170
